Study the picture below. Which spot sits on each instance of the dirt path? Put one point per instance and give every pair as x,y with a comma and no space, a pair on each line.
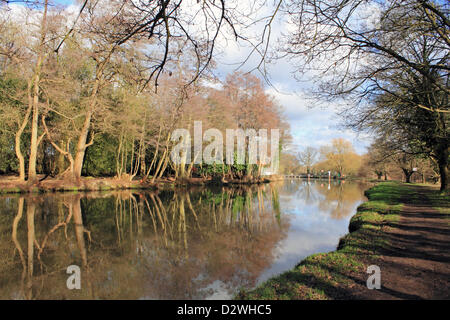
416,264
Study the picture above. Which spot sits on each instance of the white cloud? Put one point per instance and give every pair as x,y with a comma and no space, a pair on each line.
314,126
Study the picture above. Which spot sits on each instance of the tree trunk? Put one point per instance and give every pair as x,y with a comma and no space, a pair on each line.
407,178
18,141
34,121
142,161
379,175
408,174
82,139
443,173
82,146
34,132
443,166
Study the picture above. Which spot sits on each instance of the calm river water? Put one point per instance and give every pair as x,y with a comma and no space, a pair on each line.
199,243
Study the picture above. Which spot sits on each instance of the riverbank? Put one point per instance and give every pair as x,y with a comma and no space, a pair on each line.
10,184
404,229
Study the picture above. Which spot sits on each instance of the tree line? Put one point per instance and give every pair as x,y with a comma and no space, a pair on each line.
340,158
91,97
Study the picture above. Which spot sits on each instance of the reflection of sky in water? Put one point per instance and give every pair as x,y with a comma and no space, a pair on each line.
312,229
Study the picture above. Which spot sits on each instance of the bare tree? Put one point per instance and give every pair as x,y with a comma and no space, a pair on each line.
368,49
308,158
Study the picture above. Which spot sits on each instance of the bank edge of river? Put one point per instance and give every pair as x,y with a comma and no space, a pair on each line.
8,186
341,274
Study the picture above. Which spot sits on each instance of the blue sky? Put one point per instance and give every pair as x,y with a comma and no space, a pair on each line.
64,2
313,123
310,126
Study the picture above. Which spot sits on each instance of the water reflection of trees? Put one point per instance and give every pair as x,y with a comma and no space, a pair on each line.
338,198
170,245
308,192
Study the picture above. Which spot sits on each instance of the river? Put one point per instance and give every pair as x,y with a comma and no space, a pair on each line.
195,243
